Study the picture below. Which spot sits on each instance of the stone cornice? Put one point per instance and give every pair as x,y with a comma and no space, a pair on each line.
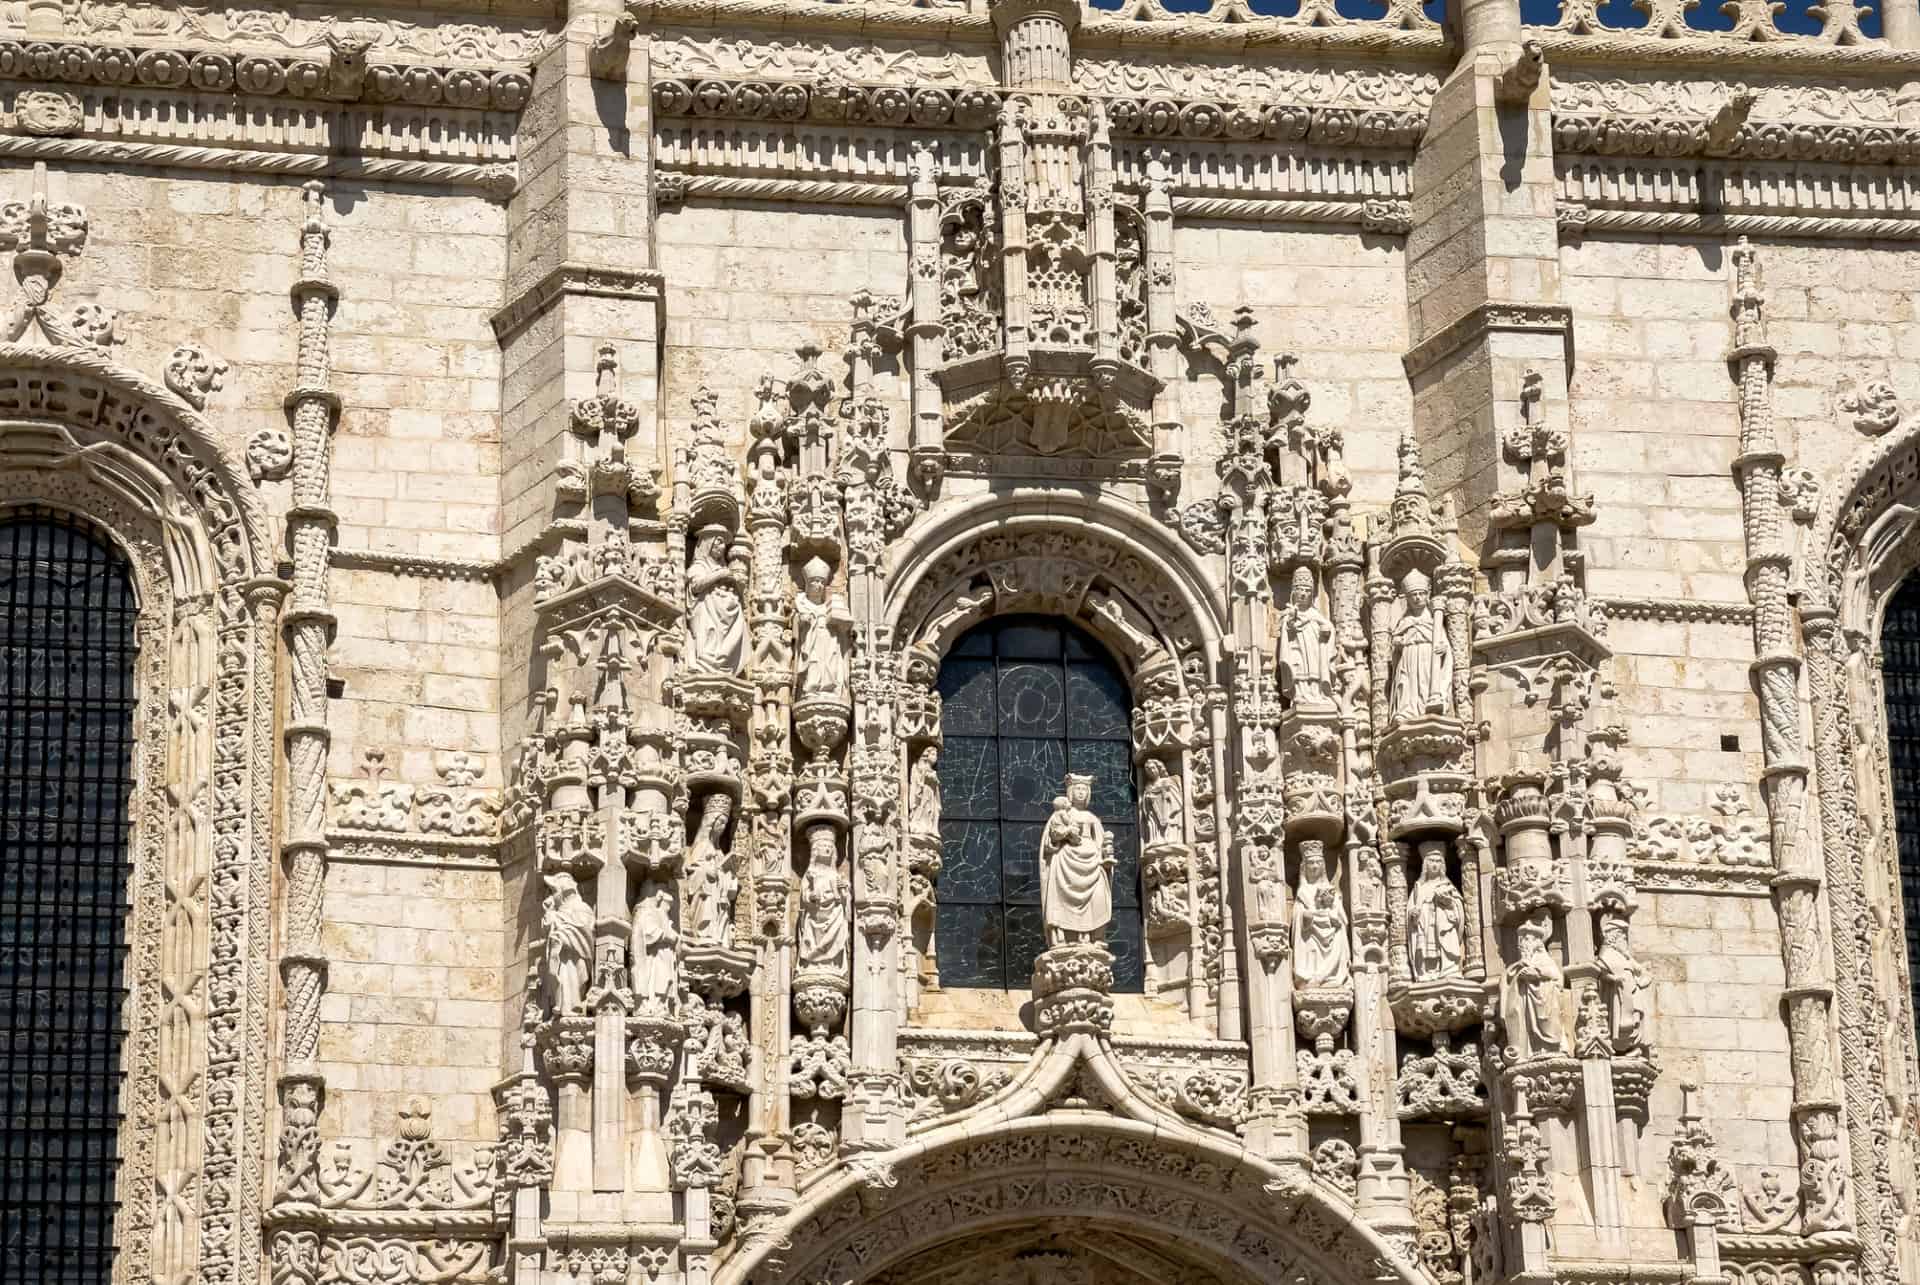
574,278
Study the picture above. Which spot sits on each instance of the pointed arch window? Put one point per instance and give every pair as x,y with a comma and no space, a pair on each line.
67,614
1024,701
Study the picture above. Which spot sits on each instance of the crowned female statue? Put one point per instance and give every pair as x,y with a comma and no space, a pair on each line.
1076,869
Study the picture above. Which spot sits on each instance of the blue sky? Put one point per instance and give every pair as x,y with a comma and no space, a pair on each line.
1614,13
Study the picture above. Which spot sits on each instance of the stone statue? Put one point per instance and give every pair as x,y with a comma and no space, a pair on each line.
1530,1005
1269,884
1435,915
1322,954
1623,981
1422,656
823,912
1123,620
653,947
1306,644
711,882
822,626
923,795
1163,812
717,627
568,963
1076,869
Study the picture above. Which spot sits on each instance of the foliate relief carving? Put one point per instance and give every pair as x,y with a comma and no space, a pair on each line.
818,59
373,803
1769,1203
1653,95
1734,836
194,375
950,1084
1234,80
1700,1189
1337,1164
1872,407
269,455
1212,1097
410,1172
1447,1084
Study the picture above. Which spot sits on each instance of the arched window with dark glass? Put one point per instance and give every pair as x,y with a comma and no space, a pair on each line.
67,613
1024,701
1900,653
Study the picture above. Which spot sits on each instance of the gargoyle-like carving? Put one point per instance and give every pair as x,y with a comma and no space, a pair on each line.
194,375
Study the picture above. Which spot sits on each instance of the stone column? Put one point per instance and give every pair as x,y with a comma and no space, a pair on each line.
308,628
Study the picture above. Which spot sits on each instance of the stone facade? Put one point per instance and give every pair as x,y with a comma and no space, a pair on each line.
557,451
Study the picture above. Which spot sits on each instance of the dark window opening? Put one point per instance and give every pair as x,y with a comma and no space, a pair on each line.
1900,647
67,613
1730,743
1025,700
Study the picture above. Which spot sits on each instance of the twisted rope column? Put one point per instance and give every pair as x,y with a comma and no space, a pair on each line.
1776,671
308,630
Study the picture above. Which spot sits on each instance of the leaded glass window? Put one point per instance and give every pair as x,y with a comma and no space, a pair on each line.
1900,648
66,707
1025,700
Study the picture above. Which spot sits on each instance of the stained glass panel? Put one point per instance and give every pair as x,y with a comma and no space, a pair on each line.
1900,646
1024,699
66,660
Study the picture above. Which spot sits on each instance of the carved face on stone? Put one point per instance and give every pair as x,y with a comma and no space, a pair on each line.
1303,590
1080,790
1433,860
1156,771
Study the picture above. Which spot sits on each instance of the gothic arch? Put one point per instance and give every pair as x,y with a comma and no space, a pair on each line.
1862,546
1199,1199
82,435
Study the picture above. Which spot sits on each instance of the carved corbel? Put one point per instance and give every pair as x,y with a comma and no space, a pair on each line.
347,64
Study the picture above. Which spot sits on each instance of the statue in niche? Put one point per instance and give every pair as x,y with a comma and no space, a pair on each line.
1163,810
1624,982
1322,953
567,965
717,627
1269,884
1076,869
653,947
1422,656
711,883
823,909
1435,916
1306,644
923,795
823,626
1530,1005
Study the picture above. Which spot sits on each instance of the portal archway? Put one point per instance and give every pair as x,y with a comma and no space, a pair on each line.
1063,1179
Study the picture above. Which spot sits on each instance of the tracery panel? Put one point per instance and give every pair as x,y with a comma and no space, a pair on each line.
1026,700
67,618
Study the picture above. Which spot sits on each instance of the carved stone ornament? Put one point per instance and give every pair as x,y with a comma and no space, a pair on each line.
194,375
47,113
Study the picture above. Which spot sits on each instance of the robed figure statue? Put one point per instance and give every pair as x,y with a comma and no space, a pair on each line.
1076,869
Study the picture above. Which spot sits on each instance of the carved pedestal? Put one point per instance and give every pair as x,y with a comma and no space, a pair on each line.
1073,990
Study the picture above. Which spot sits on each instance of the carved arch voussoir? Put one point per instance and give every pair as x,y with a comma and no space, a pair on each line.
1212,1200
1093,561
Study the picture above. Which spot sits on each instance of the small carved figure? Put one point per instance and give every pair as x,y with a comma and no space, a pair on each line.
712,884
1422,655
1163,811
1269,885
822,628
1624,982
653,948
1124,621
1435,913
1530,1006
1076,869
823,910
923,795
1306,644
1322,954
717,626
568,963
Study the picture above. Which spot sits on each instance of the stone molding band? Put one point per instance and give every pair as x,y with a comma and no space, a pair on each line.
496,182
1577,221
